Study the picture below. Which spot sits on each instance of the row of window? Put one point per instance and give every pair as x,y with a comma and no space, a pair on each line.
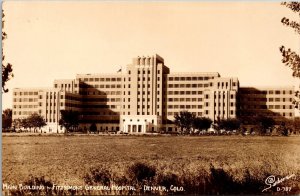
219,96
225,84
218,113
72,105
264,92
72,98
25,100
266,107
267,99
50,112
102,100
93,113
188,85
26,93
185,106
269,114
100,79
99,106
184,99
185,92
65,85
25,106
24,112
189,78
100,93
219,104
50,120
101,86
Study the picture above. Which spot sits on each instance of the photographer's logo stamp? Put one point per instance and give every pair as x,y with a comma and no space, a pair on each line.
272,182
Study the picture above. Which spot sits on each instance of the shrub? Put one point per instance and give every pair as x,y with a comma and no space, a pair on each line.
167,180
98,176
141,171
222,182
35,182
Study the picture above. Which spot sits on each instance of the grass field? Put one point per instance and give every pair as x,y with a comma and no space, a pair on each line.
67,159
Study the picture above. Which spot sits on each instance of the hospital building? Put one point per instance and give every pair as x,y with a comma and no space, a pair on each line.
146,95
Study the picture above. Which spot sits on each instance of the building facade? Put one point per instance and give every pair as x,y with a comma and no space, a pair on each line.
145,97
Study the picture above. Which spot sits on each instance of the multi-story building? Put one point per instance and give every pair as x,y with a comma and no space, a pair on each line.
143,98
267,101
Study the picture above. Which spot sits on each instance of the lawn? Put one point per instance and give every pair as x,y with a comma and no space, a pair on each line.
67,159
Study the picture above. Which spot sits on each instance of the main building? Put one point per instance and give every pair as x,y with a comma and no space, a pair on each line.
146,96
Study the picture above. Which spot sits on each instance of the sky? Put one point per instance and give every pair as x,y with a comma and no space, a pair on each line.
57,40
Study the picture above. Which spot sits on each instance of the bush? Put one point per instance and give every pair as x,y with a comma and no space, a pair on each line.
98,176
37,182
140,172
167,180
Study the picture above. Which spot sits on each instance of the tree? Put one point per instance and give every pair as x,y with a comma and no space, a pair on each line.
6,69
17,123
36,121
93,128
229,124
296,125
6,118
282,129
291,58
184,120
69,119
265,123
201,123
25,123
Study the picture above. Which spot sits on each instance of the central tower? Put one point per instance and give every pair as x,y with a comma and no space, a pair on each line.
143,95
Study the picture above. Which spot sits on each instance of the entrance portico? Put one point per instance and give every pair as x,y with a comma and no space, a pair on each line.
139,123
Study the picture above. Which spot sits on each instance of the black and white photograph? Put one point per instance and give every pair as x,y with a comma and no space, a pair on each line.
150,97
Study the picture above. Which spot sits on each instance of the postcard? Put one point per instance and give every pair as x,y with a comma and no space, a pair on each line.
150,97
